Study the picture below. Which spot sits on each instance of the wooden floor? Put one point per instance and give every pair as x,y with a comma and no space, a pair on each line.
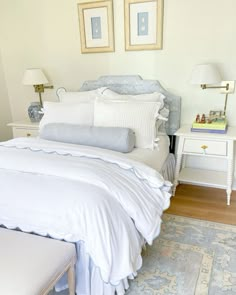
203,203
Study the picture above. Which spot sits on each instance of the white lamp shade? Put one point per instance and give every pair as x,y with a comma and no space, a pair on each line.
205,74
34,77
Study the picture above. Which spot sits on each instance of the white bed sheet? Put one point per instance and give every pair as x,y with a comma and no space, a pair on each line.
153,158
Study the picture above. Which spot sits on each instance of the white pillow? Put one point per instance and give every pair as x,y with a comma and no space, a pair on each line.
78,96
71,113
106,93
137,115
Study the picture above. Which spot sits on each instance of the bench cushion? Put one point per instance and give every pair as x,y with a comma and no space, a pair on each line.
30,263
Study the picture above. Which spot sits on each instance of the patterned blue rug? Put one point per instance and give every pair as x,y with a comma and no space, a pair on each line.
190,257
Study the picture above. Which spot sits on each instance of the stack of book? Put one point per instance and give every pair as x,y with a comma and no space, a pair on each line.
218,126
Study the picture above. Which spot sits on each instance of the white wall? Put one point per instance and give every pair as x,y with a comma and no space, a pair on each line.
5,112
46,35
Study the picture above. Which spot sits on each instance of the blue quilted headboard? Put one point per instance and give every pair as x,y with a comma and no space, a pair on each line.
136,85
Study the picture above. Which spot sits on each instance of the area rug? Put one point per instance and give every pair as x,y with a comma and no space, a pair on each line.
190,257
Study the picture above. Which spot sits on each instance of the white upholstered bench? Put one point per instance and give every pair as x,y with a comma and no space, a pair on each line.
31,264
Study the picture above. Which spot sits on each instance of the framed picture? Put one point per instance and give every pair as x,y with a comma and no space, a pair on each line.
96,26
216,115
143,24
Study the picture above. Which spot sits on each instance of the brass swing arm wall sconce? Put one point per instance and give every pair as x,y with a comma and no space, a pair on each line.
226,87
39,89
36,78
205,75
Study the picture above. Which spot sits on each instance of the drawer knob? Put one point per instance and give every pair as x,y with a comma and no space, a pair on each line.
28,134
204,147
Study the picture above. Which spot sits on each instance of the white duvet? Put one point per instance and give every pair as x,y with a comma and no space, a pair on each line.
77,193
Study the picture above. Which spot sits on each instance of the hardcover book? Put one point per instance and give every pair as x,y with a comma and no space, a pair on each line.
218,126
214,125
223,131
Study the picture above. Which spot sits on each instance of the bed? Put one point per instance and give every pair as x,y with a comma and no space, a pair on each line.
108,203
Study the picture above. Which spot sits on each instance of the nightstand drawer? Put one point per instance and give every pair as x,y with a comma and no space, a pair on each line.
24,128
207,147
21,132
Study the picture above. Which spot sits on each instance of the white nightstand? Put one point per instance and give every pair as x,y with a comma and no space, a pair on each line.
24,128
207,145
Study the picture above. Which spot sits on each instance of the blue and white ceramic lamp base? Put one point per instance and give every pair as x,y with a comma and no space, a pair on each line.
35,112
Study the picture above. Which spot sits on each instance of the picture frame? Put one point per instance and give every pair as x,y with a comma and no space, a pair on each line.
143,24
96,26
216,115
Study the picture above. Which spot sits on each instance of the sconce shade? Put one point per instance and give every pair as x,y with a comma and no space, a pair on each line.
34,77
205,74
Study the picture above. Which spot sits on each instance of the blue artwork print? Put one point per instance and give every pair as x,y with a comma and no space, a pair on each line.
96,27
142,23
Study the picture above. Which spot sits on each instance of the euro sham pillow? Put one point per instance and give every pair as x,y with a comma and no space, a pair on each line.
107,94
78,96
72,113
137,115
112,138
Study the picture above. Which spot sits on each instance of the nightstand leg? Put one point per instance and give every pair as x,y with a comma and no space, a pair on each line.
228,197
228,191
183,161
177,169
229,180
230,172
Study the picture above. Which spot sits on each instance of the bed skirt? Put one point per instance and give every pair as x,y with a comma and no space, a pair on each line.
168,168
88,278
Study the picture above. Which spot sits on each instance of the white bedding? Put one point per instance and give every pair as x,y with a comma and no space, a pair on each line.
153,158
80,193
